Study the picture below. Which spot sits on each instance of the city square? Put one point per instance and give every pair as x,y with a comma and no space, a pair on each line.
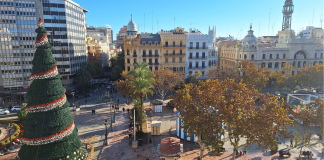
72,89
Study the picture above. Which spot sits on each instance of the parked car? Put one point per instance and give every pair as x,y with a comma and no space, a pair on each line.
16,108
2,111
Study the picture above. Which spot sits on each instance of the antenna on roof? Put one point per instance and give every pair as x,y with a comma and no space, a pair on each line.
152,21
174,23
144,22
321,20
313,17
259,29
269,21
157,23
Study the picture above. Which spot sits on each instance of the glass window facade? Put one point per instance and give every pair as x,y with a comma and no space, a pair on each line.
18,21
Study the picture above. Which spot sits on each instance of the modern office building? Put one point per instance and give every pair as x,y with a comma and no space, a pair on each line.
18,21
103,34
65,22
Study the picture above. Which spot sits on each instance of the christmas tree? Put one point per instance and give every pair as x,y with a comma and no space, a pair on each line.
49,130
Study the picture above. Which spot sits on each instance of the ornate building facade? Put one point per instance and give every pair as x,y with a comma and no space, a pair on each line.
174,49
141,47
297,51
201,51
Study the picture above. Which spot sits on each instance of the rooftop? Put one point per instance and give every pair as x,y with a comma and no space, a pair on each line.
170,145
150,37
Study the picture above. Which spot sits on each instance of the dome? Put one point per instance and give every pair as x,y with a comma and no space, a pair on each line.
131,25
250,36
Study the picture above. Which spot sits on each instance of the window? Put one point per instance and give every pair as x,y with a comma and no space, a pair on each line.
270,65
277,65
197,55
156,52
190,72
180,59
128,60
166,60
173,60
252,57
321,55
135,61
180,51
298,64
127,52
203,64
143,43
197,45
190,55
190,64
284,56
150,52
150,43
191,45
128,68
156,68
144,52
173,51
204,45
270,56
166,43
315,55
203,73
134,52
173,43
180,43
277,56
203,55
264,56
156,43
245,57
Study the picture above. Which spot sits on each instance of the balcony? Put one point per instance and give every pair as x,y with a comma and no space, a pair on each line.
197,48
174,54
150,55
174,46
200,57
134,55
199,67
173,63
153,64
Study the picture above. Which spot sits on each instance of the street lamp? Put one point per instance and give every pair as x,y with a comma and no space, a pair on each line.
73,98
106,133
8,129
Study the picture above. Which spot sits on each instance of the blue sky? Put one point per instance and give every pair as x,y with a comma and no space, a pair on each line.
229,16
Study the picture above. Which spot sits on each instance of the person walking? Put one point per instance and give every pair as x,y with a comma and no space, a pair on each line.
123,109
150,142
93,111
244,151
128,110
291,142
118,101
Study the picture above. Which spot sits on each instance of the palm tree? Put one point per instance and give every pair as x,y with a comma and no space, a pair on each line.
142,83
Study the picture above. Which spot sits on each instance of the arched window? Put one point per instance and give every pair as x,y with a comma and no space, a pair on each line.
127,52
245,56
144,52
150,43
156,52
315,55
150,52
321,55
156,43
252,57
181,68
143,43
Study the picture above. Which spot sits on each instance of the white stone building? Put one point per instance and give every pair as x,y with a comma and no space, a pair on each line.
201,51
290,49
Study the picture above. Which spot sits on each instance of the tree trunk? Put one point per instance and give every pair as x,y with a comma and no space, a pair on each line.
234,153
141,111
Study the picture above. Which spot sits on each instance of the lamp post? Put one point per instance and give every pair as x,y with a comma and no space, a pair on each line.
106,135
73,98
134,127
8,129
